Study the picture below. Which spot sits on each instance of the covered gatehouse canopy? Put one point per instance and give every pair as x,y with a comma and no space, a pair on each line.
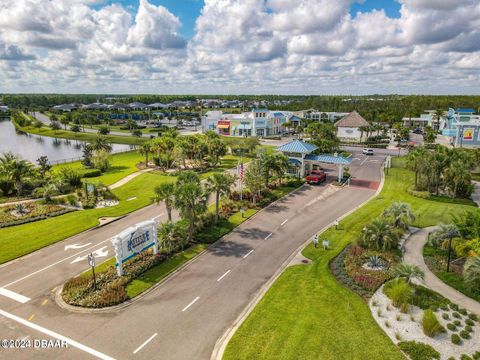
328,159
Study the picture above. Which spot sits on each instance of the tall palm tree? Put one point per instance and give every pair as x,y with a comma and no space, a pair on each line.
409,272
220,184
15,169
145,149
416,161
191,201
101,143
401,214
471,272
165,192
281,166
378,235
456,175
445,232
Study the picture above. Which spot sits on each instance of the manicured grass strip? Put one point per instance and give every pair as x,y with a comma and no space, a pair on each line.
23,239
121,165
307,314
81,136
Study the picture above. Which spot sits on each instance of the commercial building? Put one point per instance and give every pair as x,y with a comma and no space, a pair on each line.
463,128
348,127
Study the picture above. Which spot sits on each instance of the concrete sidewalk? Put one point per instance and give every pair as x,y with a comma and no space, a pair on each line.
414,255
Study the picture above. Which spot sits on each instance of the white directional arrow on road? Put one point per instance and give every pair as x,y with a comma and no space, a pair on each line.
76,246
102,252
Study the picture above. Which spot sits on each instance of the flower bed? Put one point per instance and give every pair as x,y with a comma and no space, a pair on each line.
111,289
348,268
11,216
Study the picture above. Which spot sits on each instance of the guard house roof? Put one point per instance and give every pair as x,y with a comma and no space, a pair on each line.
329,159
465,111
297,146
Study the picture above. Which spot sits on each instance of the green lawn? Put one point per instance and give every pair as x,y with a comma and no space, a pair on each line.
81,136
121,165
23,239
307,314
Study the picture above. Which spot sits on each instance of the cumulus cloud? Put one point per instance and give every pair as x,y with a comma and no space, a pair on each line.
274,46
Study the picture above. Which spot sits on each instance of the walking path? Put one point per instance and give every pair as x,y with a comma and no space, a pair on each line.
414,255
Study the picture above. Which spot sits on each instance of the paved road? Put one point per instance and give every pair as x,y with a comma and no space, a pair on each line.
184,317
414,255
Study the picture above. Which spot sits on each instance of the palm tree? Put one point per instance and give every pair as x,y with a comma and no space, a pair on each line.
437,115
456,175
281,166
416,162
445,232
191,201
170,237
471,272
362,129
378,235
408,272
15,169
101,143
401,214
220,184
145,149
165,192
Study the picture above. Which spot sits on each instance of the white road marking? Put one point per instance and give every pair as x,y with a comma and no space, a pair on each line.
14,296
159,216
102,252
221,277
55,335
76,246
52,265
145,343
268,236
244,256
284,222
364,161
193,302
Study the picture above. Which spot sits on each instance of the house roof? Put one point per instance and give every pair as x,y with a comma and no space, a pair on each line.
329,159
297,146
352,120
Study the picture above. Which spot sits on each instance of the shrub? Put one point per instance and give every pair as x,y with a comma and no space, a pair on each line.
454,307
469,322
444,307
426,298
463,311
92,173
456,339
445,316
70,176
468,328
419,351
476,355
399,292
472,316
465,334
457,315
465,357
430,324
457,322
451,327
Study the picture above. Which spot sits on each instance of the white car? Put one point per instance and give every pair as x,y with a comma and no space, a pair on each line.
367,151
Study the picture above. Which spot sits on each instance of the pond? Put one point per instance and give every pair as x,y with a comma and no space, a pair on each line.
31,147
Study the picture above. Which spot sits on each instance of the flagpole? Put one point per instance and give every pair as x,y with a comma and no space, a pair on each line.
241,176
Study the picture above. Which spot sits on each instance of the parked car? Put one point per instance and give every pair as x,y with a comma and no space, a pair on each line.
367,151
418,131
316,177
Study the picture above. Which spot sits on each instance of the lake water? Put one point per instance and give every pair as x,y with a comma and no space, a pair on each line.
31,147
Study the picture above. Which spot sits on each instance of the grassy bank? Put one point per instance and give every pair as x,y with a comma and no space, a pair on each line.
307,314
80,136
121,165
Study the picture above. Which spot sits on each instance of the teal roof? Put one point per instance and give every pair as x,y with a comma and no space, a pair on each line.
295,162
297,146
329,159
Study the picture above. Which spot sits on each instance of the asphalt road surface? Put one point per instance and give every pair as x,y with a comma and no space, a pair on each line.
184,317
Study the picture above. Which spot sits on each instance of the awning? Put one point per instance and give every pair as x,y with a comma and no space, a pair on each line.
245,127
221,126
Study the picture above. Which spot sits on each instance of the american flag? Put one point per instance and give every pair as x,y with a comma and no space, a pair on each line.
240,171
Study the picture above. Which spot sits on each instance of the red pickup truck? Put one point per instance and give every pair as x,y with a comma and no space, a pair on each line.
316,177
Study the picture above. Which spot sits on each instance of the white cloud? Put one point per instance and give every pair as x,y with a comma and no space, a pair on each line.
272,46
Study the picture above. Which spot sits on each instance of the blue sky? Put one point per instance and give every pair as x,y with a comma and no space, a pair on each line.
189,10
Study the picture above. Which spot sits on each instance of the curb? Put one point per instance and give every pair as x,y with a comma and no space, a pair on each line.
82,310
222,342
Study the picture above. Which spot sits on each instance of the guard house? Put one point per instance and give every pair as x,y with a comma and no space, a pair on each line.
302,159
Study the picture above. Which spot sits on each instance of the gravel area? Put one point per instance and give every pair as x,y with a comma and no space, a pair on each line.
409,327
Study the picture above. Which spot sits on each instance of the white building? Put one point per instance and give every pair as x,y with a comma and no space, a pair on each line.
325,116
348,127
